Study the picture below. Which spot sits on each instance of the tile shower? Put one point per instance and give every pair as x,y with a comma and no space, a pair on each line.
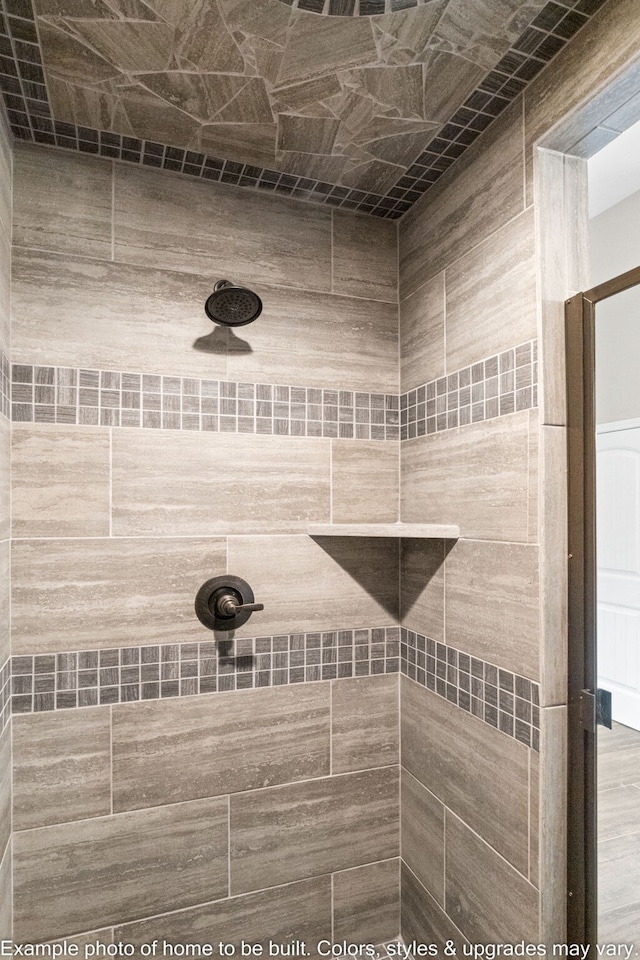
149,454
306,781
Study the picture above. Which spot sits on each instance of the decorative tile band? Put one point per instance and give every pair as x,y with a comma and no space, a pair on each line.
353,8
503,699
22,82
109,398
5,386
60,681
502,384
490,388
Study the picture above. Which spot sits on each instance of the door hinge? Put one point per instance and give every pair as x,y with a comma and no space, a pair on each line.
587,710
603,707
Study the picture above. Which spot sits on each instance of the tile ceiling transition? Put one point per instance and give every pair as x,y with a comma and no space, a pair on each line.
362,104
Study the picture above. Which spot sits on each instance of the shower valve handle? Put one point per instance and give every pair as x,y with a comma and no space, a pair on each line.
225,603
227,606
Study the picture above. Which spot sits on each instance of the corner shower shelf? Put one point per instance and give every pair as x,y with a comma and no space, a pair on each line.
424,531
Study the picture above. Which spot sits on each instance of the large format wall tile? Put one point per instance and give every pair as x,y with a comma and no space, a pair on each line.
318,339
174,223
182,483
366,903
422,919
475,476
456,756
60,481
204,746
482,192
422,834
6,891
5,788
5,290
61,767
317,584
492,604
6,184
364,481
492,292
488,900
297,911
5,600
88,594
534,817
301,830
364,723
95,873
5,455
422,586
365,257
112,316
422,343
62,203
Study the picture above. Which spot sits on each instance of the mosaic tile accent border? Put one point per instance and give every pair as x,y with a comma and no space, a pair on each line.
5,386
493,387
5,693
502,384
502,699
353,8
110,398
22,82
60,681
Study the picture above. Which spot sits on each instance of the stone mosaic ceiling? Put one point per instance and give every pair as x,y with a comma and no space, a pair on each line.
374,97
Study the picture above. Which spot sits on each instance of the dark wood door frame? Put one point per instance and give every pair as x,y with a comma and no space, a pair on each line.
582,863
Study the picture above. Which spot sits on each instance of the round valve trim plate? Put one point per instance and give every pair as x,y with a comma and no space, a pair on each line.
217,587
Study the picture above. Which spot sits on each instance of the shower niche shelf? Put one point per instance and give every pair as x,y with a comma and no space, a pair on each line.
421,531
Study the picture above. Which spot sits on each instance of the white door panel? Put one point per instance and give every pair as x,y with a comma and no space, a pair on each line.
618,551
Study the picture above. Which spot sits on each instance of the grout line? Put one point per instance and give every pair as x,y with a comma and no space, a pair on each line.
188,274
492,848
331,265
524,153
399,361
111,758
444,858
440,907
331,480
235,896
226,796
332,906
529,815
331,728
229,844
466,253
444,322
113,212
444,593
110,482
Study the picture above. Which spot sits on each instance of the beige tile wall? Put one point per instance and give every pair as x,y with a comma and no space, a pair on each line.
6,189
487,259
131,808
6,196
467,292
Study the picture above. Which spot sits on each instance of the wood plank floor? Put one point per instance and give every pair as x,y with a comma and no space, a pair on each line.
618,835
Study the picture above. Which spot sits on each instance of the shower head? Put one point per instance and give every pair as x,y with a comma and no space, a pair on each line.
232,306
